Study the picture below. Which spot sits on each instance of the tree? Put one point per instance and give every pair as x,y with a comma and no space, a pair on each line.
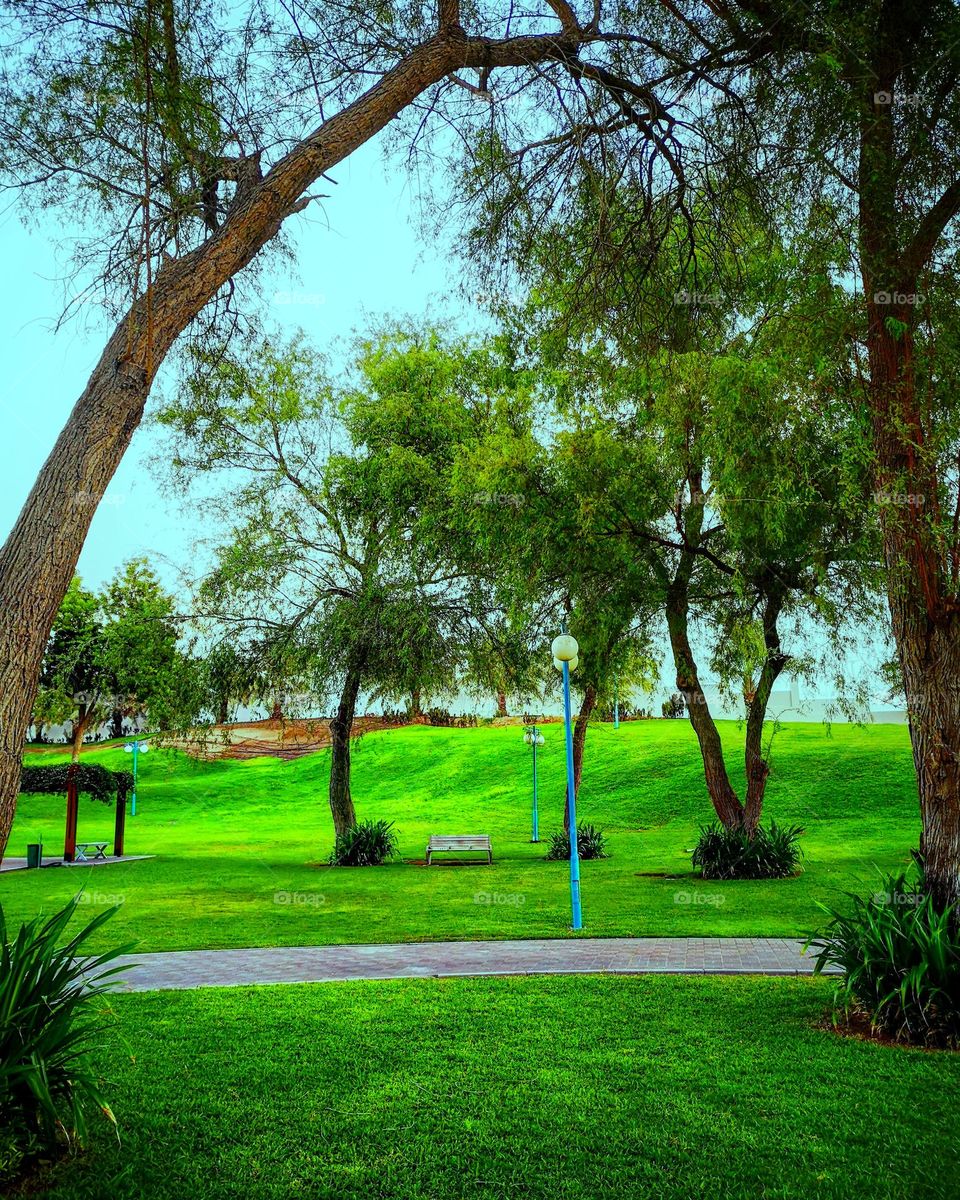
113,654
852,113
327,568
173,138
665,374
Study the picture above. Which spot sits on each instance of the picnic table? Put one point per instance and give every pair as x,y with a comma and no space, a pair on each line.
99,851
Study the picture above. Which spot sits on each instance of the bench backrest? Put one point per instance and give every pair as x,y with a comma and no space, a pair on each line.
475,842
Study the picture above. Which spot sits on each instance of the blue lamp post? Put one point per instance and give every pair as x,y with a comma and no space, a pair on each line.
616,703
533,737
565,650
135,748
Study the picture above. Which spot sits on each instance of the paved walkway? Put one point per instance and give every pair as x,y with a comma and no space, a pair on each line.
429,960
20,864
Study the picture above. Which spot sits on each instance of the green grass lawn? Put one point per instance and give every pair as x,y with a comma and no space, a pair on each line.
240,846
557,1088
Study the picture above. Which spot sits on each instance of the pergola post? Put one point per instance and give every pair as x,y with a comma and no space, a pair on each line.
70,836
119,823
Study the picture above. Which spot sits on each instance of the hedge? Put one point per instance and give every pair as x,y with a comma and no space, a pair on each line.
94,780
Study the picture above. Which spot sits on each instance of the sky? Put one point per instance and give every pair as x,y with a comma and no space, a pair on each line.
358,255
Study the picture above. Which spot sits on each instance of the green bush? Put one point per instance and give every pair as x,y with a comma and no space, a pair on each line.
48,1021
771,853
900,959
366,844
591,843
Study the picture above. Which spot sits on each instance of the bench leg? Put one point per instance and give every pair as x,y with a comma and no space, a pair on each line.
429,853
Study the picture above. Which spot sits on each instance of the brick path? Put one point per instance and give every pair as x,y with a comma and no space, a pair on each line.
426,960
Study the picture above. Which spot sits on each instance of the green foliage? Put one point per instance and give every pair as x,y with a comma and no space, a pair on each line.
91,778
900,958
48,1023
115,653
771,853
366,844
591,843
674,707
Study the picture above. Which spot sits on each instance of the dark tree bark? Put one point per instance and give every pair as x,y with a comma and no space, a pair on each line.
116,718
341,802
416,709
725,801
502,704
223,710
922,580
40,555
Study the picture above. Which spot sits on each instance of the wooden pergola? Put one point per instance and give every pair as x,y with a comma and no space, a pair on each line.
73,778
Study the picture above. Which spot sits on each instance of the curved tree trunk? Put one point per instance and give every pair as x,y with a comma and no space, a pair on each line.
502,704
341,802
757,767
40,555
79,729
725,801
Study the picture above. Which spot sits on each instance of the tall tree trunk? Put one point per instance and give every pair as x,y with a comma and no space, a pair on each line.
117,721
923,574
579,737
276,713
223,710
924,613
757,767
40,555
502,704
341,802
725,801
416,710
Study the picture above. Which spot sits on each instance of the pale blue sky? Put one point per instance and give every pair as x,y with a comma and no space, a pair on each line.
360,253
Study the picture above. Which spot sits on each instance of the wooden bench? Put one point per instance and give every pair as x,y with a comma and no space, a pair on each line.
99,851
460,845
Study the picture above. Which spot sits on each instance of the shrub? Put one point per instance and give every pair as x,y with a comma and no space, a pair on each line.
366,844
591,843
48,1018
900,959
723,853
673,708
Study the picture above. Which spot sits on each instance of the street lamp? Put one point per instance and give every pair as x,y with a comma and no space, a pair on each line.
135,748
616,702
565,650
533,737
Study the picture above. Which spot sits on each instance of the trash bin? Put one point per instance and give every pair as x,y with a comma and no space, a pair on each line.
34,854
